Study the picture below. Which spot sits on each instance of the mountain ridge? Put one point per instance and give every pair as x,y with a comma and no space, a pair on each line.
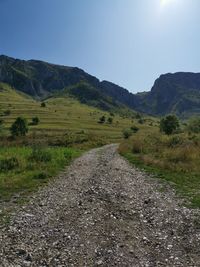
177,93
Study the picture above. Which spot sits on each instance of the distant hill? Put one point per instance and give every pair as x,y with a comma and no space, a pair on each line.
38,78
177,93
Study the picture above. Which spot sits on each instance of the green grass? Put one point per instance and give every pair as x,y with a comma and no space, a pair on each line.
173,158
61,116
31,171
186,185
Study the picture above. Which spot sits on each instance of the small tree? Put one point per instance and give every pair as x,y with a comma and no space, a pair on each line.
127,133
194,125
169,124
43,104
35,121
19,127
102,119
110,120
134,129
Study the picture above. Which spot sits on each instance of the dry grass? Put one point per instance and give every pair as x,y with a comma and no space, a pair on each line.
175,158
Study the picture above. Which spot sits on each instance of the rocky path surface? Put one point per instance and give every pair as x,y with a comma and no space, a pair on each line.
102,212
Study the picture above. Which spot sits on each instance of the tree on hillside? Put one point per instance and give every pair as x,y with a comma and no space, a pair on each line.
110,120
102,119
43,104
169,124
19,127
35,121
127,133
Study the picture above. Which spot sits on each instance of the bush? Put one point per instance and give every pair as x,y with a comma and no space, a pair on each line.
9,164
102,119
141,121
137,147
175,141
110,120
35,121
134,129
7,112
40,155
127,133
138,116
194,125
169,124
19,127
43,104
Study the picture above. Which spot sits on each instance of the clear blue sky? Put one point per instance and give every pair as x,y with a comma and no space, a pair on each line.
129,42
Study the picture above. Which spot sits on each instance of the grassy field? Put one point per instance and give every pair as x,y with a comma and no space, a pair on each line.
173,158
63,119
65,128
24,169
66,124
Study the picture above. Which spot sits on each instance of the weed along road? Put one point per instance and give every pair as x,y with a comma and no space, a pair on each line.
102,212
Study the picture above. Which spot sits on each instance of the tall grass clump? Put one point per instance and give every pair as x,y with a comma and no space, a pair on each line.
173,157
24,169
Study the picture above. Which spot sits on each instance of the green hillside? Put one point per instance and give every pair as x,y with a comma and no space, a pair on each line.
63,118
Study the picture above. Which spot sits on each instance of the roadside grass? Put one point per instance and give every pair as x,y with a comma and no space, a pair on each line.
35,166
65,128
173,158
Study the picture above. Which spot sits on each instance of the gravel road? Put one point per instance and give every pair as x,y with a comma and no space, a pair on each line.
102,212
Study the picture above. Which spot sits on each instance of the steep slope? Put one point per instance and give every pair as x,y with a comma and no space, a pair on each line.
63,117
120,94
177,93
39,78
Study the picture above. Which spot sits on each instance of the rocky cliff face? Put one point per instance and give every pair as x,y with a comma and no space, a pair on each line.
172,93
39,78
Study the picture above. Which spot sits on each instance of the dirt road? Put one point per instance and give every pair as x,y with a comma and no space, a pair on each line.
102,212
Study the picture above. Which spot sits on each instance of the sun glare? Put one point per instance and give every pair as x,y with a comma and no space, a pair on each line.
166,2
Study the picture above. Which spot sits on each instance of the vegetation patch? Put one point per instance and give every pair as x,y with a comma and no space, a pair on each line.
24,169
174,158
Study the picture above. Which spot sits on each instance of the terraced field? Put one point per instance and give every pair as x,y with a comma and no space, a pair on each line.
61,116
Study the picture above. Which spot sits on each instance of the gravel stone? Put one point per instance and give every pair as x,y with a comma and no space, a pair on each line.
102,212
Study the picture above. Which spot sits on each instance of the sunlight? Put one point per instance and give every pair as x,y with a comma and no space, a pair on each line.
166,2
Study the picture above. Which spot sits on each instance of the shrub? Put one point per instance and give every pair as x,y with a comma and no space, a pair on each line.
43,104
169,124
179,155
35,121
138,116
7,112
19,127
9,164
134,129
110,120
175,141
127,133
40,155
102,119
141,121
194,125
137,147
